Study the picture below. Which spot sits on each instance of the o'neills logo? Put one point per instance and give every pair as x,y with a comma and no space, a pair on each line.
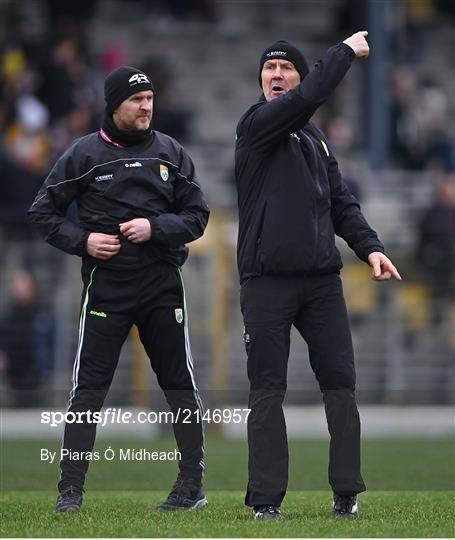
277,53
135,164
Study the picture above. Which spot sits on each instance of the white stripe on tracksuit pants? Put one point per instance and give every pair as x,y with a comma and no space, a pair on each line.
153,298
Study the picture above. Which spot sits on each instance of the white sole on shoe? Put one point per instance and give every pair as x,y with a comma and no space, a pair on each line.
200,504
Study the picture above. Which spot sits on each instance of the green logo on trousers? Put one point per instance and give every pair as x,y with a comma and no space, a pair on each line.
98,313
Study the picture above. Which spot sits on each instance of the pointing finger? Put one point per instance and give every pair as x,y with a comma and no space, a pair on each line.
392,269
396,274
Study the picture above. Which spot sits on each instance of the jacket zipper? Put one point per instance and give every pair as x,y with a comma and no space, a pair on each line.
319,190
315,160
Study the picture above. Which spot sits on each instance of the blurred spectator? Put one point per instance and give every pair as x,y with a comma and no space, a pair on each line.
432,112
341,138
24,149
405,145
26,138
72,91
57,86
413,21
436,247
80,121
419,115
414,41
26,342
168,116
114,55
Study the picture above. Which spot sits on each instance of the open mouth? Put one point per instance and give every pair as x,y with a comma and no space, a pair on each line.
276,89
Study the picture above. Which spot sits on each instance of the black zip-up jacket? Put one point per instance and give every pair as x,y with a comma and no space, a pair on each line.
292,199
154,179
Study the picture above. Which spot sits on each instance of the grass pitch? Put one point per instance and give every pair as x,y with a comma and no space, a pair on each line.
411,493
307,514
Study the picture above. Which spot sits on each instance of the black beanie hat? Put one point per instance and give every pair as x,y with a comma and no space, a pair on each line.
285,51
121,83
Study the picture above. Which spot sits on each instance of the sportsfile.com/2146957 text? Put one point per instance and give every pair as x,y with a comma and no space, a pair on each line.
113,415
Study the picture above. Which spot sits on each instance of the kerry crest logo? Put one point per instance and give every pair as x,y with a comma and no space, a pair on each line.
179,315
164,172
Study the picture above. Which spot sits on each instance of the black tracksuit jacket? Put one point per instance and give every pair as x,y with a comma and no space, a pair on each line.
292,199
154,179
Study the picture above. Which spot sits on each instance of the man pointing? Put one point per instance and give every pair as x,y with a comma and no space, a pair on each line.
292,202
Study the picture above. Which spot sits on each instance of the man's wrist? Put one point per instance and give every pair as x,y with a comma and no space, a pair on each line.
374,249
348,50
84,242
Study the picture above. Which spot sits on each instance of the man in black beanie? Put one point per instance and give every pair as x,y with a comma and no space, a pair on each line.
292,202
139,202
283,50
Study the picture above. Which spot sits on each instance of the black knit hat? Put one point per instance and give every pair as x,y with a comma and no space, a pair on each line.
122,83
285,51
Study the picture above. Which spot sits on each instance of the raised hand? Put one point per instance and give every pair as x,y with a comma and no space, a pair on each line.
359,44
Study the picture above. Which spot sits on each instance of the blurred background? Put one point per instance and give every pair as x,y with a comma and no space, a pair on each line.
390,124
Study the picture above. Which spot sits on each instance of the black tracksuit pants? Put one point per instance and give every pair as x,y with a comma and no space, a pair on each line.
152,297
315,306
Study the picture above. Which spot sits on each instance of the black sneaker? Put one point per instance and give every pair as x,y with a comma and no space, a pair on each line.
185,495
267,512
69,500
345,506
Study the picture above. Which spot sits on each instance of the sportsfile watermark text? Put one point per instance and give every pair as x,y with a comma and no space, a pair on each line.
113,415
